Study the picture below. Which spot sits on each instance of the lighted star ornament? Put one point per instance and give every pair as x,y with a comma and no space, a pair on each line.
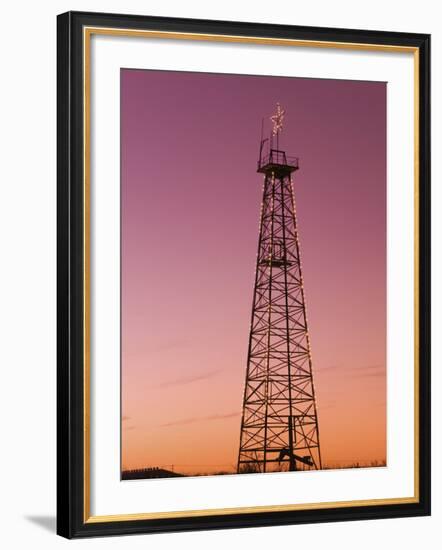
277,119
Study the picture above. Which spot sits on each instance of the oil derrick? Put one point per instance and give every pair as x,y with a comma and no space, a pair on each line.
279,425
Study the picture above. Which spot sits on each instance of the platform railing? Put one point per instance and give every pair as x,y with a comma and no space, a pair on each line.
278,158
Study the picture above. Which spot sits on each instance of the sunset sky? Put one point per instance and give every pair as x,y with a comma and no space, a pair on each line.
190,200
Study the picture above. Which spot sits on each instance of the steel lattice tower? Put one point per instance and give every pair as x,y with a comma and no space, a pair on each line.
279,419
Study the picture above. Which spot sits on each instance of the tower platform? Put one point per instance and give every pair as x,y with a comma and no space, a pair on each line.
277,162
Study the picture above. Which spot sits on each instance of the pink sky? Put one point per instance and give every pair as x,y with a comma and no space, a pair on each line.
190,210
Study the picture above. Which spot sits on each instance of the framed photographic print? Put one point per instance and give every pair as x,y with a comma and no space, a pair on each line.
243,274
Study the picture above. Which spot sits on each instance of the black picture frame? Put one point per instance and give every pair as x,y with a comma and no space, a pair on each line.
71,517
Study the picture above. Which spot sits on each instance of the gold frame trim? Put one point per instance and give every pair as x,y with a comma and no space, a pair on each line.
87,34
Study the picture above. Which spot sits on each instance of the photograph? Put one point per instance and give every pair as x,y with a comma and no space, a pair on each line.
253,274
